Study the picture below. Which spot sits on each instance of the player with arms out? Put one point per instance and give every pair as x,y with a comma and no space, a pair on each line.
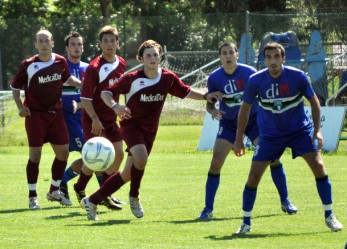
71,95
282,123
97,118
42,77
231,79
145,92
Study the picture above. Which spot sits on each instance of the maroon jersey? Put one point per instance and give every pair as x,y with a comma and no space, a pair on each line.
42,82
145,97
99,75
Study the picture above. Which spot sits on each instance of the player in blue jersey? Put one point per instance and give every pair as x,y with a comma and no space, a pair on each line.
282,123
71,96
230,79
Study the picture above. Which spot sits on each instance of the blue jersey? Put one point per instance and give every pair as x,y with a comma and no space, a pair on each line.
73,120
232,85
281,107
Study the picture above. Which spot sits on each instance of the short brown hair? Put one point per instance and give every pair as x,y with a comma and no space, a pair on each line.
72,34
148,44
108,30
274,45
227,44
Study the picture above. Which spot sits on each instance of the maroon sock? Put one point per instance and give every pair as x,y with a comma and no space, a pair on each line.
136,177
82,182
58,168
32,171
105,176
113,183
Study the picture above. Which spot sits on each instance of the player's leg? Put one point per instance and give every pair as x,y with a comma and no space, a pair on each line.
221,150
250,192
58,168
32,172
112,133
115,182
280,180
36,130
315,161
76,141
140,155
82,181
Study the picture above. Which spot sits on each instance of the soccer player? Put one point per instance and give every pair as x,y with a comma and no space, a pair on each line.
97,118
230,79
71,95
282,123
42,77
145,92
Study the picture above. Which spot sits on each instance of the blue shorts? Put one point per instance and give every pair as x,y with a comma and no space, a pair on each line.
73,122
300,144
227,129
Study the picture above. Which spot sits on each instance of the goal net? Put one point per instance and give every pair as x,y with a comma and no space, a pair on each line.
8,109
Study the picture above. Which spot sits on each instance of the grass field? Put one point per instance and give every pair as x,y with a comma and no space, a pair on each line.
172,194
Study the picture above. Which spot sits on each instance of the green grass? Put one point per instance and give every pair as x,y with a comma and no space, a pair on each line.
172,193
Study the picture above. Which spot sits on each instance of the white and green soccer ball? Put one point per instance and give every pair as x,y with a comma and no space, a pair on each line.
98,153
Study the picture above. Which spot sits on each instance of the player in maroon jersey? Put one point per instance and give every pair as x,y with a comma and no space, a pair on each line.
97,118
145,92
42,77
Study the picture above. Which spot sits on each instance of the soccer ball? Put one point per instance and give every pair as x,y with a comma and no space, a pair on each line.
98,153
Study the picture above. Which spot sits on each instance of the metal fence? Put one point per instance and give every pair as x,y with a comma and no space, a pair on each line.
177,33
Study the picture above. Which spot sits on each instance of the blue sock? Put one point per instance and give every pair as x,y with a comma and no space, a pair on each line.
100,179
68,175
280,180
212,185
324,191
248,200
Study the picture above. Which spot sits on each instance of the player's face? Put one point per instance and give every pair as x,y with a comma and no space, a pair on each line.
151,58
109,45
44,44
75,47
228,57
274,62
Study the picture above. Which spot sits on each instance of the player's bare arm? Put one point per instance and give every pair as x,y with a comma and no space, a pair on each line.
97,126
121,111
22,110
210,97
316,114
73,81
239,147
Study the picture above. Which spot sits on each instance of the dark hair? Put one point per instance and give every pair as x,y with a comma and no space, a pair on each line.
108,30
227,44
72,34
274,45
148,44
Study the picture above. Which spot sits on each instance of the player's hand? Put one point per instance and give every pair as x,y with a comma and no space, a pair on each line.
97,127
217,114
76,106
319,138
239,148
214,96
24,112
122,111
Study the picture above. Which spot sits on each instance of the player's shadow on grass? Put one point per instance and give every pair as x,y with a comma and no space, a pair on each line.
260,235
69,215
22,210
102,223
196,220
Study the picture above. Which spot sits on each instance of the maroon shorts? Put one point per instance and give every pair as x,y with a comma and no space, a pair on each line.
133,134
44,126
111,131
